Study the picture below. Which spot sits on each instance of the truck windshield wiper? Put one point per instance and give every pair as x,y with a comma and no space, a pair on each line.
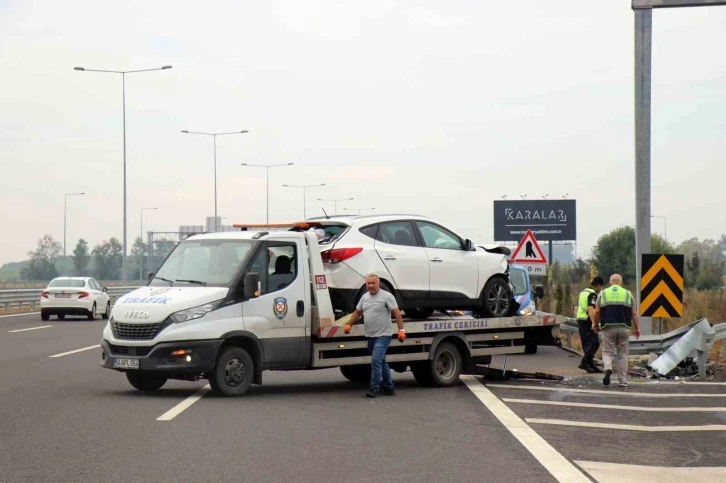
192,281
166,280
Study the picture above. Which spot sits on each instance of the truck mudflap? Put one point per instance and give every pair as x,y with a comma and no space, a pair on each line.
172,359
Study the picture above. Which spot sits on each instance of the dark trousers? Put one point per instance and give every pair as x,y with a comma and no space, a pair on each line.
590,341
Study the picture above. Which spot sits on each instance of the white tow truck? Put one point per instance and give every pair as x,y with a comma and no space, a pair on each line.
228,306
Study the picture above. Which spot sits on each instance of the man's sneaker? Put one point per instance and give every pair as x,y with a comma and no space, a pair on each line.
606,379
596,369
623,384
388,391
371,393
586,368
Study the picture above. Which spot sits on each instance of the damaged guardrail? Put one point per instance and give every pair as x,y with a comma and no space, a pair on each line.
671,347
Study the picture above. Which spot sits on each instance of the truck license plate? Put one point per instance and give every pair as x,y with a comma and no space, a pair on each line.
126,363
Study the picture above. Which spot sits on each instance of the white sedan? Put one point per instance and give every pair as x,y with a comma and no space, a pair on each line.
74,296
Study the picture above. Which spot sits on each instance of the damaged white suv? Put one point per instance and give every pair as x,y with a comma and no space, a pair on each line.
425,265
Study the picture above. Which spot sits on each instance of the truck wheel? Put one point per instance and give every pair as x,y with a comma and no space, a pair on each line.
496,299
233,372
422,314
360,374
446,365
145,382
422,373
44,315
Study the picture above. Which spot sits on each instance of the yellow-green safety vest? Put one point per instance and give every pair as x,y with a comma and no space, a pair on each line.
616,307
582,304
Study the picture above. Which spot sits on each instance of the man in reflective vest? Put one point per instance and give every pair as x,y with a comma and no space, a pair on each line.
585,315
616,315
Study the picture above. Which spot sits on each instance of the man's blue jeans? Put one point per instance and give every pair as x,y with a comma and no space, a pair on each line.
377,347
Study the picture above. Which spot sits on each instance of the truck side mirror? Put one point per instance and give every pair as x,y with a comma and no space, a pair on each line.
539,291
252,285
149,276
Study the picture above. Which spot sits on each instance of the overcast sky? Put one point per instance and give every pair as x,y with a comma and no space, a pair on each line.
422,106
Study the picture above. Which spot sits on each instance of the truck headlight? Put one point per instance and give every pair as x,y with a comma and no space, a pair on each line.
195,312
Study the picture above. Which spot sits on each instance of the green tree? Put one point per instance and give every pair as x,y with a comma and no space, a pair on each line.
559,299
705,262
138,252
107,258
81,258
42,261
615,252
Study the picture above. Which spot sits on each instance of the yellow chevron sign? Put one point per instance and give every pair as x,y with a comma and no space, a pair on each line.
661,286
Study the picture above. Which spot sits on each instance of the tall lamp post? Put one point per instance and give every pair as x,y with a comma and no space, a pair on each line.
267,189
665,227
65,216
123,91
214,137
335,202
141,255
304,187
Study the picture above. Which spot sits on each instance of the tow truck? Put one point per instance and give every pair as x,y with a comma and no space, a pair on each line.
216,309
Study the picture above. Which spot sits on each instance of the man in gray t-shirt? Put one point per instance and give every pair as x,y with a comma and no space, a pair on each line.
376,306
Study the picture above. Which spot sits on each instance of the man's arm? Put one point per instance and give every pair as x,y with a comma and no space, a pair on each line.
595,317
399,318
591,306
353,319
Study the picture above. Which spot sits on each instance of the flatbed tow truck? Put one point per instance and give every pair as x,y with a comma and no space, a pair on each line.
231,327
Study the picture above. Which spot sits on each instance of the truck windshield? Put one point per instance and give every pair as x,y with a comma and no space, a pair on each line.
519,281
211,262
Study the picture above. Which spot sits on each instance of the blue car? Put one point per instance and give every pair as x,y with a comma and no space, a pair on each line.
523,291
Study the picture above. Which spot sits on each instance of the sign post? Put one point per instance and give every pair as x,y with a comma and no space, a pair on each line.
529,254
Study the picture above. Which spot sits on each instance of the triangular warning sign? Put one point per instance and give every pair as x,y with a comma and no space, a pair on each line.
528,250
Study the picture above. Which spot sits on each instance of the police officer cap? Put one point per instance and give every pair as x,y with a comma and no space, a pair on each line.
597,281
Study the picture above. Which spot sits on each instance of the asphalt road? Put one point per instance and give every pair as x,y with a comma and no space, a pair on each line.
64,419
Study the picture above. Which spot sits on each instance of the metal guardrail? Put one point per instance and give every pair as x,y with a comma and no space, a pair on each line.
651,343
31,297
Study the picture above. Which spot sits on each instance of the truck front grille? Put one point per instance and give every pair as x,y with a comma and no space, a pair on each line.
123,331
122,350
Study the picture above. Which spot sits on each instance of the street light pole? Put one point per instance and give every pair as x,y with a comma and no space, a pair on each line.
335,202
141,255
267,188
123,97
65,217
665,225
304,187
214,137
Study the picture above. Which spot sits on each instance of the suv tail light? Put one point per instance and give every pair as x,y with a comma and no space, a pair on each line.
44,294
339,254
82,295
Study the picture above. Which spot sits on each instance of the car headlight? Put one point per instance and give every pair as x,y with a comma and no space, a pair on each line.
529,309
195,312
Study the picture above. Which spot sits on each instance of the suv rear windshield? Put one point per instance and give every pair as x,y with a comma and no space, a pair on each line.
68,283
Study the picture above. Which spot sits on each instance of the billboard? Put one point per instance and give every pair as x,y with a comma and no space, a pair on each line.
549,220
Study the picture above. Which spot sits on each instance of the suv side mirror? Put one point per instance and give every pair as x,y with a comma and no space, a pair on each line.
468,245
252,285
539,291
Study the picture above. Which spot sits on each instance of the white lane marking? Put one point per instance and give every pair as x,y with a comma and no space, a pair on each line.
30,328
76,351
614,406
613,392
627,427
185,404
559,466
617,473
19,315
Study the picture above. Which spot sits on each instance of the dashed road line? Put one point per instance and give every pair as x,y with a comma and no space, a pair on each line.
559,466
185,404
614,406
614,392
627,427
30,328
19,315
76,351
